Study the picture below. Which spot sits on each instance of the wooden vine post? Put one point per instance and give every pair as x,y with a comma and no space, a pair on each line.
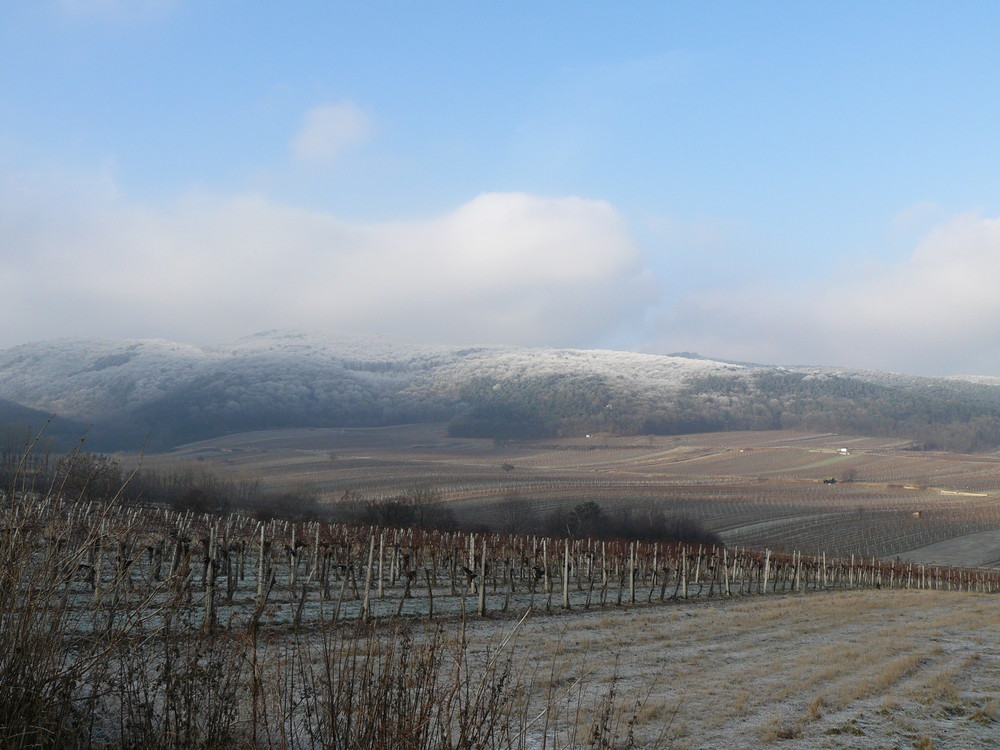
365,612
482,581
293,557
631,574
684,574
209,621
260,570
565,575
767,567
381,564
725,572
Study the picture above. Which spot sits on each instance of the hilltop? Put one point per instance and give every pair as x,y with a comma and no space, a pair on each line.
173,393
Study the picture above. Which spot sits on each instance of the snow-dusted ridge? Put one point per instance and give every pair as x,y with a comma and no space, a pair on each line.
179,392
90,378
291,378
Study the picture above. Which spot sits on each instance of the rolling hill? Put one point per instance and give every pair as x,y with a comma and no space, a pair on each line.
171,393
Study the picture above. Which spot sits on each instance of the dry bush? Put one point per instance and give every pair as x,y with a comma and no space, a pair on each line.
780,728
49,650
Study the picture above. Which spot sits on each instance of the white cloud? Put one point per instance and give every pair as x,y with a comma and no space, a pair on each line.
329,129
502,268
938,312
79,258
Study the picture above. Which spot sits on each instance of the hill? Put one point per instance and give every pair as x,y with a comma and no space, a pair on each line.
172,393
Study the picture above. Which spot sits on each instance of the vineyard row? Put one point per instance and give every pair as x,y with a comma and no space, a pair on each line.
106,559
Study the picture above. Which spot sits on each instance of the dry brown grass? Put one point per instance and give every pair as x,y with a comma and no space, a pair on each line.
987,713
841,667
780,728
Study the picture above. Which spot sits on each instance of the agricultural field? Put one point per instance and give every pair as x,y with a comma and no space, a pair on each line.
755,489
126,625
133,624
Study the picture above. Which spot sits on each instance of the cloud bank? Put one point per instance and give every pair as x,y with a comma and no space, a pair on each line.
80,259
938,312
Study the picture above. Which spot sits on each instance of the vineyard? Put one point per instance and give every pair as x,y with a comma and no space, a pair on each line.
280,573
127,624
755,489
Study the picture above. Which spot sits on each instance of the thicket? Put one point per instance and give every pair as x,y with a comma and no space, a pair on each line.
589,519
251,399
421,508
935,414
534,407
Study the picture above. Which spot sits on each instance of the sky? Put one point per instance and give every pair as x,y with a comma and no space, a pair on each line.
777,182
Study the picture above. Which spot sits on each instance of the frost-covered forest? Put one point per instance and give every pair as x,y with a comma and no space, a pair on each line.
127,393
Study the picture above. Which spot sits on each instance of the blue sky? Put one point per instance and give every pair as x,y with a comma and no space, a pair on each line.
788,182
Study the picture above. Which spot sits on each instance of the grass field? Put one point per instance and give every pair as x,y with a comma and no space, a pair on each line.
834,670
759,489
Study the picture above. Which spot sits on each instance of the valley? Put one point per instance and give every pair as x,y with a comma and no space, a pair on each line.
756,489
270,632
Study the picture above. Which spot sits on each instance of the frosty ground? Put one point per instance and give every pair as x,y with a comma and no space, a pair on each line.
851,669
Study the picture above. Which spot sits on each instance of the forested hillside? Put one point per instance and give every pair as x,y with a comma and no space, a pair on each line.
127,393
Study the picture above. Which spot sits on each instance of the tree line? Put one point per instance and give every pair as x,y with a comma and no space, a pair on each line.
935,414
